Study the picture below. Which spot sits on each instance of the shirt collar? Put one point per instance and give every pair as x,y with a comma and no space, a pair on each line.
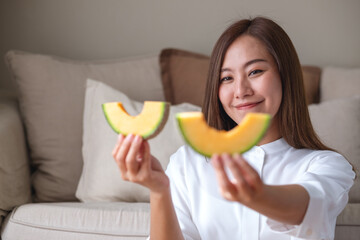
273,147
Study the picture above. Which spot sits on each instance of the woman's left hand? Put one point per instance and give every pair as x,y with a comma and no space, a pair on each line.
246,185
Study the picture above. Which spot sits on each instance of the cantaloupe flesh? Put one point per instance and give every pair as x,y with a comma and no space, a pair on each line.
208,141
147,124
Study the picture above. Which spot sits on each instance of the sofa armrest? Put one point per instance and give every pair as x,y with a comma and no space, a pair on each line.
14,165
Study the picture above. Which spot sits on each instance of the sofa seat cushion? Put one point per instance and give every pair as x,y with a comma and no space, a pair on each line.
116,220
348,223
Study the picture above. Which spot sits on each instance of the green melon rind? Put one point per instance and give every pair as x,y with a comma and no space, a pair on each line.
266,125
103,106
153,132
178,118
261,135
161,123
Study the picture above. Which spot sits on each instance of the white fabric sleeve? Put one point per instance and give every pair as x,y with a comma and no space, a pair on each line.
180,195
328,180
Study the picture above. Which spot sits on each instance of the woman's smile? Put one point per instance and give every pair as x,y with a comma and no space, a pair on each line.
249,80
247,105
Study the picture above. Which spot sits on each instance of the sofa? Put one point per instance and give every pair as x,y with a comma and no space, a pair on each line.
57,176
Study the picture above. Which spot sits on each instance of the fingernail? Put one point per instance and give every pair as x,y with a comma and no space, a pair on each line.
130,136
139,158
138,138
227,160
227,195
215,161
225,156
120,136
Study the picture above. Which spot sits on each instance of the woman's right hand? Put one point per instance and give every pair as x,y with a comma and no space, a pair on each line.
132,155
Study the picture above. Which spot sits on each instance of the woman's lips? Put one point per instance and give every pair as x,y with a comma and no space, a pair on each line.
246,106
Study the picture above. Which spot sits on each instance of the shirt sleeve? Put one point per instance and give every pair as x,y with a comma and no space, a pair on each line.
328,181
180,196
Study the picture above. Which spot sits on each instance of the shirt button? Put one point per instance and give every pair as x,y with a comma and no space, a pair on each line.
309,232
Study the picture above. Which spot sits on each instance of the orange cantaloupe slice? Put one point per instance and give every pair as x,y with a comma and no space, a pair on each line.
208,141
147,124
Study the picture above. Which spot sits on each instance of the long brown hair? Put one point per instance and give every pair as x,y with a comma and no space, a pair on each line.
294,120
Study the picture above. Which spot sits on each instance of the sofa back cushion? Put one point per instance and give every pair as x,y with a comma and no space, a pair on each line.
338,82
14,167
100,179
337,124
51,96
340,125
184,76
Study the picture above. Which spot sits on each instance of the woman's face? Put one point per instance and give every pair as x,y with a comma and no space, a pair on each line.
249,80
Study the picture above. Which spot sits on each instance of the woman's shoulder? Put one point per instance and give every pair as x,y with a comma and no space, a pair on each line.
281,147
315,154
310,157
324,159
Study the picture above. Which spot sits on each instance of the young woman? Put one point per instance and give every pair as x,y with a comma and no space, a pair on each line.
290,186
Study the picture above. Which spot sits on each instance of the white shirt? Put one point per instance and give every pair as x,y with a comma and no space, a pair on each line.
204,214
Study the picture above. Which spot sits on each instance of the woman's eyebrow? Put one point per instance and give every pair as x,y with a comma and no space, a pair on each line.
254,61
225,70
245,65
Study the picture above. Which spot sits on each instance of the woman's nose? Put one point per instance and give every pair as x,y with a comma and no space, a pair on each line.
242,88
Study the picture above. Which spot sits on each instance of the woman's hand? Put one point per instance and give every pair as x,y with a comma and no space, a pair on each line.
283,203
246,185
132,155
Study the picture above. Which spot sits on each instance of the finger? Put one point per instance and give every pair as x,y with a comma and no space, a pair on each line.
239,182
226,187
250,175
140,155
132,165
122,153
144,172
117,145
151,162
146,157
151,173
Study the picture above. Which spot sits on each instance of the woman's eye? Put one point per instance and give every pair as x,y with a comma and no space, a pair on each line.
225,79
255,72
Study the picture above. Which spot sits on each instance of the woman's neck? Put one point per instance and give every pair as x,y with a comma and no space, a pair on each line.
272,134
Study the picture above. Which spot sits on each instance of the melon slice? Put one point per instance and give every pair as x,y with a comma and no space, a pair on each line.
208,141
147,124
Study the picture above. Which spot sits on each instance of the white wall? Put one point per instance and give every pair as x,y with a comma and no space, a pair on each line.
325,32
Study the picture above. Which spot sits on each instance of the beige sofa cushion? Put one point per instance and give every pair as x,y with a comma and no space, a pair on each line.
339,82
3,214
51,96
14,167
78,221
348,223
184,75
100,179
337,124
350,216
311,76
